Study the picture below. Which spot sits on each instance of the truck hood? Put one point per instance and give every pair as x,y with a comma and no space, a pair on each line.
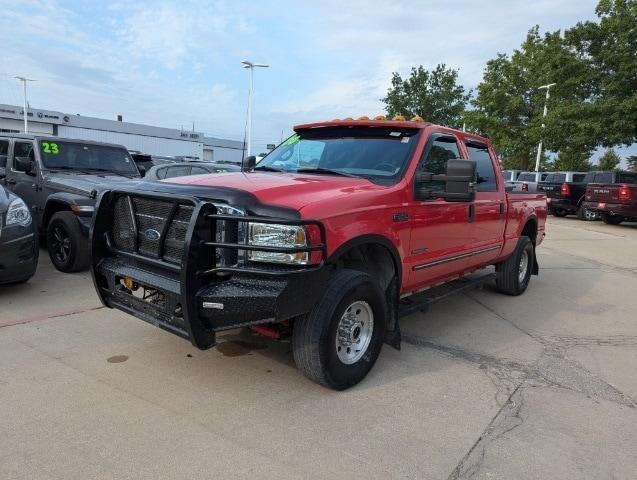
84,184
284,189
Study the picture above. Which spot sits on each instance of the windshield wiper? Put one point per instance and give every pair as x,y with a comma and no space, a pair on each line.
327,171
267,168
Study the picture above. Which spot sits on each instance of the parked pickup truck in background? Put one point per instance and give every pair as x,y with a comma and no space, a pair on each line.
614,198
528,181
340,231
565,194
59,179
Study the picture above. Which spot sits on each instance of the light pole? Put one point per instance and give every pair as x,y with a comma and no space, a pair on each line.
24,81
251,66
539,147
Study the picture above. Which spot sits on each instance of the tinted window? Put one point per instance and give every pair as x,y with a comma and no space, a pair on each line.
579,177
555,178
526,177
606,177
23,150
200,171
484,167
180,171
626,177
4,151
65,155
442,149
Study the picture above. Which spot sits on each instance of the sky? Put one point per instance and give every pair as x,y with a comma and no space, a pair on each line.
174,63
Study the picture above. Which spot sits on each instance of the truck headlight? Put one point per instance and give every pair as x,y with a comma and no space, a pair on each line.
271,235
18,213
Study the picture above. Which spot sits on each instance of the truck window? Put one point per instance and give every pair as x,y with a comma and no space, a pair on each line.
435,160
579,177
622,177
4,151
23,150
180,171
526,177
484,167
378,154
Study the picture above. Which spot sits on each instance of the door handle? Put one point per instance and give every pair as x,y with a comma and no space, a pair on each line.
11,181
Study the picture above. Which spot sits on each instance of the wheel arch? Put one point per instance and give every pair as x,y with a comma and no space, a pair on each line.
379,247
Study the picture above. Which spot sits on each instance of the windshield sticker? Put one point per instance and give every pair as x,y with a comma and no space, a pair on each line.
395,134
292,140
405,140
50,147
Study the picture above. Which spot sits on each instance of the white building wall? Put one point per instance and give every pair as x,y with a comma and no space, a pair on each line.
18,125
222,154
145,144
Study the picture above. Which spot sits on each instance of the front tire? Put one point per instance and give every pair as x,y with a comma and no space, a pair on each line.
338,342
610,219
514,274
68,248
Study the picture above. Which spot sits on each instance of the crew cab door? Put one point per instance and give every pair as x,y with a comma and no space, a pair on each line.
489,215
23,184
439,228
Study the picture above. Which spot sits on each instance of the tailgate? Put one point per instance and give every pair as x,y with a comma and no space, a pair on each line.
598,192
551,189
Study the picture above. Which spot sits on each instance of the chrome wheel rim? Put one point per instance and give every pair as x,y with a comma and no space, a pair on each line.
354,332
589,215
523,267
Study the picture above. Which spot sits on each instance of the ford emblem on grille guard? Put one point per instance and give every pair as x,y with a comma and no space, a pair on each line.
152,235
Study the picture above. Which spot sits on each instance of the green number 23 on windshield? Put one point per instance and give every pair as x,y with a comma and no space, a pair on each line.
50,148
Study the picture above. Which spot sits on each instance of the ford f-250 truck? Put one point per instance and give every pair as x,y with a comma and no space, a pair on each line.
331,238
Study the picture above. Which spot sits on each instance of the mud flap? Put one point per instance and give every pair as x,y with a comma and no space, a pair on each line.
536,267
392,332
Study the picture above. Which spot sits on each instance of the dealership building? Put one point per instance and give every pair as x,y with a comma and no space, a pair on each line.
134,136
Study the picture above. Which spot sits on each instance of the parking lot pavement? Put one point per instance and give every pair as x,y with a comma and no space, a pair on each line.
486,386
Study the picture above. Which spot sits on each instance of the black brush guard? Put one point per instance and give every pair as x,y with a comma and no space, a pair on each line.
213,287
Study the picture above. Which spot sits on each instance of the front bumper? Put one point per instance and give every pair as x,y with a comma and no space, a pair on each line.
18,253
198,298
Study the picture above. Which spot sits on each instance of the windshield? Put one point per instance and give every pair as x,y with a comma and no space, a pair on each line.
377,153
63,155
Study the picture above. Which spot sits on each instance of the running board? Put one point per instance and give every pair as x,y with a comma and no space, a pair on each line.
420,302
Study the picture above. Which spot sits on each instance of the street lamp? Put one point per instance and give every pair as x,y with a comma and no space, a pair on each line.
251,66
539,147
24,81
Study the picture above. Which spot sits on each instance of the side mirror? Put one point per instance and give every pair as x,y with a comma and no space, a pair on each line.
460,182
24,164
3,166
249,163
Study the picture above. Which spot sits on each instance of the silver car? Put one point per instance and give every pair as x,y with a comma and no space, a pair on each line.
183,169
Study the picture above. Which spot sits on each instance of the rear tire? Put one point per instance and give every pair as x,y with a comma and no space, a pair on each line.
515,272
68,248
559,212
338,342
586,214
610,219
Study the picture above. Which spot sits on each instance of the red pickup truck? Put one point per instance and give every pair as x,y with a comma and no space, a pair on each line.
334,236
614,199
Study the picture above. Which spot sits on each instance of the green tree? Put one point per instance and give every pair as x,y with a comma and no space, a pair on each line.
632,163
569,159
609,48
434,95
609,161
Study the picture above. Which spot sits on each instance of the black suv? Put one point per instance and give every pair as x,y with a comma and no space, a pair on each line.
59,179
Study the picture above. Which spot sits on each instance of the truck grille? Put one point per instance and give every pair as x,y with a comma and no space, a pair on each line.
157,228
151,227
